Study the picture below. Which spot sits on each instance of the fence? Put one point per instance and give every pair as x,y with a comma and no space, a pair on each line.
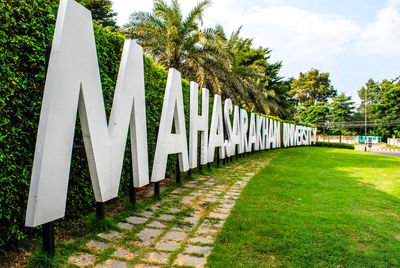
339,139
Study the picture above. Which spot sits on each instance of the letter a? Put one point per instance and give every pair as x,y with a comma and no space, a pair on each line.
167,142
216,138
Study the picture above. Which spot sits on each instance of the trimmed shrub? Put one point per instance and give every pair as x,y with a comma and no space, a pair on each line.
335,145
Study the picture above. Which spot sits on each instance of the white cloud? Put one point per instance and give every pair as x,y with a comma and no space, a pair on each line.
302,39
124,8
382,37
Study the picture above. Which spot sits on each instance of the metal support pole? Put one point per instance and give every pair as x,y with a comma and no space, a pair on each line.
48,228
132,195
100,210
208,165
178,171
48,238
132,189
157,189
365,108
189,173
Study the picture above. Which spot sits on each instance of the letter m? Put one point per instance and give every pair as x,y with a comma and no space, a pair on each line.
72,84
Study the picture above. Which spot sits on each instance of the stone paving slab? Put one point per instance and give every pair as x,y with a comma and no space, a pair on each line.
175,235
146,266
149,233
218,215
158,257
168,245
96,245
166,217
136,220
147,214
113,264
82,259
124,225
110,236
174,210
179,230
206,250
205,230
202,239
190,260
156,224
124,253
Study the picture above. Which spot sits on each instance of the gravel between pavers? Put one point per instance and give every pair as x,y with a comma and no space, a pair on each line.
157,239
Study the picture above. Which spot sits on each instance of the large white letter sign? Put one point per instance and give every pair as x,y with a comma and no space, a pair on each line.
198,123
271,135
299,138
236,138
285,135
252,134
230,149
167,142
265,134
244,125
292,135
314,130
216,131
128,109
260,145
277,134
73,83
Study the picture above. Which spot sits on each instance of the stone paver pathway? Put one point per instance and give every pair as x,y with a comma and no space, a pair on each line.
179,230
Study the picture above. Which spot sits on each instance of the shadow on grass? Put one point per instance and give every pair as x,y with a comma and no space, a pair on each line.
316,207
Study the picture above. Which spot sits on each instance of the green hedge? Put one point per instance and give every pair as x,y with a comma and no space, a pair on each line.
335,145
26,29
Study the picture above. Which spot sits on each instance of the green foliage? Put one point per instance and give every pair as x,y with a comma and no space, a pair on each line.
312,87
316,113
174,40
230,67
41,259
341,108
26,30
383,107
335,145
101,11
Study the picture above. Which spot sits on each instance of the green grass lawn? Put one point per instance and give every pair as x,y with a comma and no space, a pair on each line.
316,207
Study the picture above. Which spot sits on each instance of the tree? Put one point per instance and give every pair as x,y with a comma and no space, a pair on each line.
369,94
383,106
245,79
316,113
101,11
176,42
228,66
341,108
312,87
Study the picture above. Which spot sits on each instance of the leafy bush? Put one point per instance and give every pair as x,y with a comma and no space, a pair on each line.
335,145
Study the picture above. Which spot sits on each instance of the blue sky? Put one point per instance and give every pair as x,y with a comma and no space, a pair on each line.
353,40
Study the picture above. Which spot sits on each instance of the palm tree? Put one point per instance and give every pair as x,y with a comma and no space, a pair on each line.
178,42
248,73
229,67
